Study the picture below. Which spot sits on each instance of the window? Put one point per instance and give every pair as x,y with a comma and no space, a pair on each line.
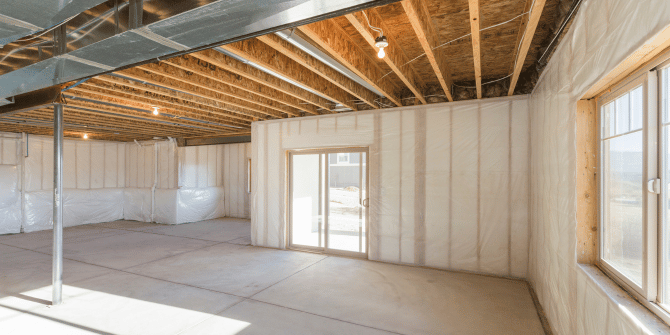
343,157
635,186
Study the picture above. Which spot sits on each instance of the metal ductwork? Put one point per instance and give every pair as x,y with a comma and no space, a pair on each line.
117,35
21,18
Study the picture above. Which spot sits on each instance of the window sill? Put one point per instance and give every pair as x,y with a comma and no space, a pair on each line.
634,309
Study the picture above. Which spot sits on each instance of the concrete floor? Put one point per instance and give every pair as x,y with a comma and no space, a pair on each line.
204,278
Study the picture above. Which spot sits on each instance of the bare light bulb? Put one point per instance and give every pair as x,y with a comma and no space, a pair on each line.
381,53
85,136
155,111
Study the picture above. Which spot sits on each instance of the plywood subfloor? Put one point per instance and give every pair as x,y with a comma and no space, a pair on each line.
204,278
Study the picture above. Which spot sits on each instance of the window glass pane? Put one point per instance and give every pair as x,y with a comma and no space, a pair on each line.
665,200
622,114
608,120
665,94
636,108
622,199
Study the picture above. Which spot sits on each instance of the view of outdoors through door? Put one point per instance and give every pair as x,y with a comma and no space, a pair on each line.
328,198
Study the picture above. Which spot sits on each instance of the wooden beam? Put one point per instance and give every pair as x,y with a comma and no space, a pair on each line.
339,45
419,17
177,116
46,130
318,67
233,65
533,20
164,94
259,52
198,90
119,95
476,46
263,105
395,57
262,93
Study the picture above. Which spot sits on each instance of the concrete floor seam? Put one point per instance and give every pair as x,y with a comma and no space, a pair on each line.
191,238
293,274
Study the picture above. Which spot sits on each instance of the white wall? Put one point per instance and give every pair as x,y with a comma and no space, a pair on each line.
107,181
447,181
603,34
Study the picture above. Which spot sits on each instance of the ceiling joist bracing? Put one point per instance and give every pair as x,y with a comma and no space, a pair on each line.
476,44
332,39
395,57
419,17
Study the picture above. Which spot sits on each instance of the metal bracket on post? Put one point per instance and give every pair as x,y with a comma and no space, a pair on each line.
135,13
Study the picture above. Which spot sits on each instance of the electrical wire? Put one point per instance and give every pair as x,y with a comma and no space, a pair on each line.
560,30
379,30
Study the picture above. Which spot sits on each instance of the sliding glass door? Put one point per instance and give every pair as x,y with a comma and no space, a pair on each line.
328,200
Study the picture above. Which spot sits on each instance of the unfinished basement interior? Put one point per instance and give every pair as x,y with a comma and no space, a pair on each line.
335,167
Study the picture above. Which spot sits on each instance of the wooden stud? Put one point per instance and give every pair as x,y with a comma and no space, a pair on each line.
533,20
395,57
419,17
476,48
339,45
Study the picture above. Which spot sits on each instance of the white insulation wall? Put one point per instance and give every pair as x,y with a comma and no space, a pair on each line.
107,181
603,34
448,182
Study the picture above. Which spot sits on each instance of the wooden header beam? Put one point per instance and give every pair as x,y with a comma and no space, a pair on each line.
535,14
419,17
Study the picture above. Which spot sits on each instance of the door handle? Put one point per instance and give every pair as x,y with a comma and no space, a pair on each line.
366,202
654,186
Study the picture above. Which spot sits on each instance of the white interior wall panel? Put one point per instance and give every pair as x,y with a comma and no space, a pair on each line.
233,169
602,35
10,183
446,181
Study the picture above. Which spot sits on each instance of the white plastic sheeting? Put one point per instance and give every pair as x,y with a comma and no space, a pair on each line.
10,200
603,34
448,182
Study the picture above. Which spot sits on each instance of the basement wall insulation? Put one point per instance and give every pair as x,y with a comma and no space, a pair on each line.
448,182
603,34
108,181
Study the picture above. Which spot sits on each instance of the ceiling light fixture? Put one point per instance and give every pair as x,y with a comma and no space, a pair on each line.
155,112
85,136
381,42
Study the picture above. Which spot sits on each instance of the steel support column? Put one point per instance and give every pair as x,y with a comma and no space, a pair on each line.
57,277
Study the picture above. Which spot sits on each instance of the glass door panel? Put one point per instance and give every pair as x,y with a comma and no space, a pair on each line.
346,194
664,231
307,200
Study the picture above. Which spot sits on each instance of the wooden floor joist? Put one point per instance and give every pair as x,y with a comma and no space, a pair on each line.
395,57
247,71
184,86
245,99
262,54
339,46
325,71
103,95
476,44
163,94
260,92
419,17
533,20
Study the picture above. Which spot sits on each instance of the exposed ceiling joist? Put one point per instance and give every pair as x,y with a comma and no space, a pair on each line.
325,71
235,96
419,17
395,57
262,54
533,20
251,73
476,44
262,92
340,46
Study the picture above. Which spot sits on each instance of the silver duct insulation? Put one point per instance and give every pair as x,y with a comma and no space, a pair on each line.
202,27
